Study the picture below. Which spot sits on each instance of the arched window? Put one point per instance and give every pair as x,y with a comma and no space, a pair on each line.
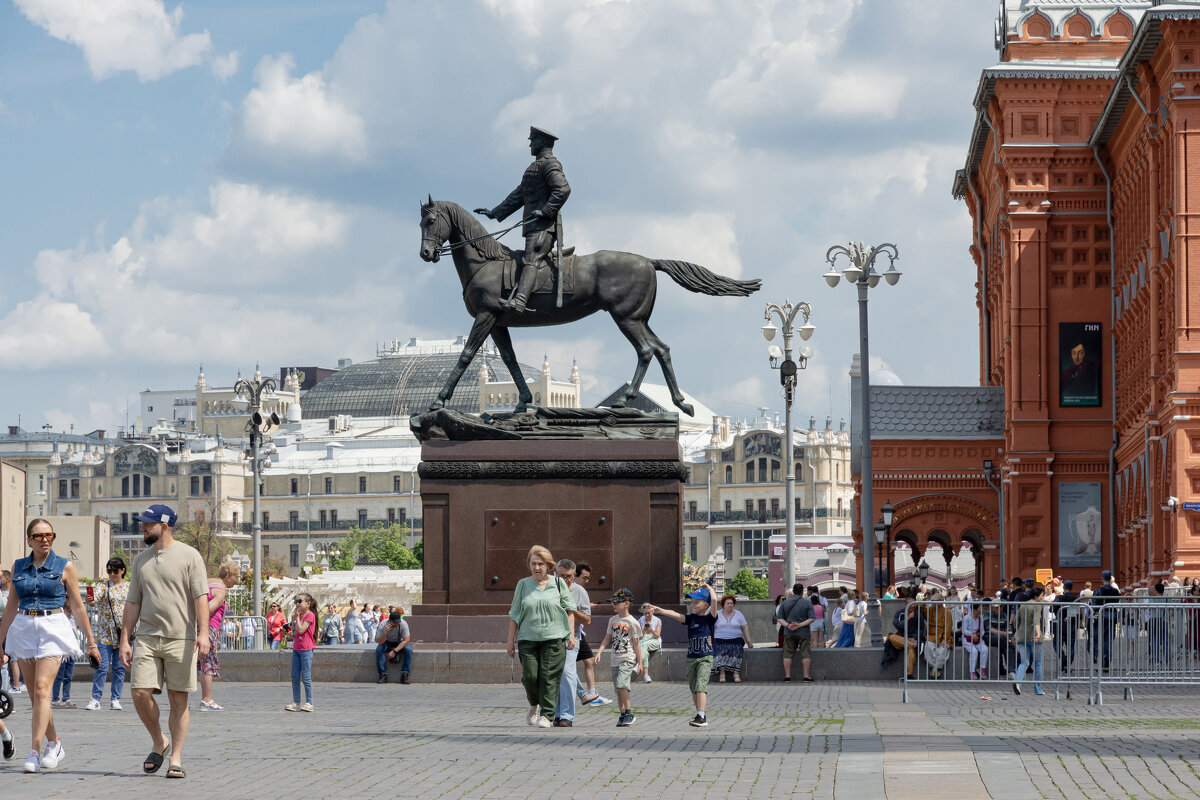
135,485
728,474
775,477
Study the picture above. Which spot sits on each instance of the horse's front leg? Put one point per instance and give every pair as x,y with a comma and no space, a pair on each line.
479,333
503,342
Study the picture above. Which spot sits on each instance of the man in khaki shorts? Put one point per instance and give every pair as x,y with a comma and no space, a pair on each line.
797,614
168,605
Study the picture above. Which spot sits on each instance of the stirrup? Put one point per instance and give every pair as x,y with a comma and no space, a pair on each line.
516,303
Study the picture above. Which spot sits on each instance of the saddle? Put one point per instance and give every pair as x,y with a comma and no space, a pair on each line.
547,279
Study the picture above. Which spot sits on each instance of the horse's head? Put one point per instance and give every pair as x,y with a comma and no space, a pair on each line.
435,230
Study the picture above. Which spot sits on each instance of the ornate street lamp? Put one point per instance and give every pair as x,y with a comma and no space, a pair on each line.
888,513
880,535
861,272
786,314
257,426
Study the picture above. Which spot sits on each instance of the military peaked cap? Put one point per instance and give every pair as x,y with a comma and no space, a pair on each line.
535,132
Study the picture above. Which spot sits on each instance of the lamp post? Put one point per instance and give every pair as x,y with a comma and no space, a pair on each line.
258,425
921,575
880,534
787,376
861,272
989,472
888,513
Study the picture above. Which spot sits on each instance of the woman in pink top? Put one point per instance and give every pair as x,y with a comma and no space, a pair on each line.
209,667
304,629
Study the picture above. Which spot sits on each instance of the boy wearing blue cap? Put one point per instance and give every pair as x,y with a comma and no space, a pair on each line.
624,632
701,622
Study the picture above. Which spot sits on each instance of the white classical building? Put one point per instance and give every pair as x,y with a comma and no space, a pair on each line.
735,496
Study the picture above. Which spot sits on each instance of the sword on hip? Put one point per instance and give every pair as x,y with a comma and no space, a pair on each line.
558,276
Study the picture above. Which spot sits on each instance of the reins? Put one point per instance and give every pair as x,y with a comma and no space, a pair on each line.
447,249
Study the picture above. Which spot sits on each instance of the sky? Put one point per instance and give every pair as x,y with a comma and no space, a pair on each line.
237,182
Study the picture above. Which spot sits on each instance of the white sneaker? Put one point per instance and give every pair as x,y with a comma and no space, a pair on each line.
33,763
93,705
646,678
115,705
54,754
542,722
532,717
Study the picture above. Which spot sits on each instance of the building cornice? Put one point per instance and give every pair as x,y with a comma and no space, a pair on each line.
1145,41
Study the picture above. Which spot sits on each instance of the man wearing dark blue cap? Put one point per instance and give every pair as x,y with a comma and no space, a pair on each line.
542,192
168,605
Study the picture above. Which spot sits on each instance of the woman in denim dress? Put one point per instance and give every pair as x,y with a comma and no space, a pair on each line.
34,630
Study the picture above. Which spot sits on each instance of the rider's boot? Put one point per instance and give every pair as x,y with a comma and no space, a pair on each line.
524,287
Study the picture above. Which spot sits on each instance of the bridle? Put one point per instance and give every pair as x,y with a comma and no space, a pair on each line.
446,249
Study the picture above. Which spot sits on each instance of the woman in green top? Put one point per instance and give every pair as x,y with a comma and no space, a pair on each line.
538,628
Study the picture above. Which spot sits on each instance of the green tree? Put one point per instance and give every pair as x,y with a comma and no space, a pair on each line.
379,544
745,583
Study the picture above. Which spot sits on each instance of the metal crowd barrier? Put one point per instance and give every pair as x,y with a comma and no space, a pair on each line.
1129,641
243,632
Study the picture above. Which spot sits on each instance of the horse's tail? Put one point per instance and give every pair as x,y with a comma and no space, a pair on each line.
696,278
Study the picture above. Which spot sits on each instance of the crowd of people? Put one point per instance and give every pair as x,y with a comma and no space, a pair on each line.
1010,629
160,623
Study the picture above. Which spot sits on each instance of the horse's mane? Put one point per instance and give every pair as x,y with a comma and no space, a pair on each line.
488,247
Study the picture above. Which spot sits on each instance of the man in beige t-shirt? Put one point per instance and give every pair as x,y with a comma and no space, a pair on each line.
168,605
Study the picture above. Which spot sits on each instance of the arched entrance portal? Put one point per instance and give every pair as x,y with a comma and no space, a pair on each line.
952,534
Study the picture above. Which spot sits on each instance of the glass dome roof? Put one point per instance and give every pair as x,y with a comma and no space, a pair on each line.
401,385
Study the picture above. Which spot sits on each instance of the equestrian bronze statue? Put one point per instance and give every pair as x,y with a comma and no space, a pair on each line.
623,284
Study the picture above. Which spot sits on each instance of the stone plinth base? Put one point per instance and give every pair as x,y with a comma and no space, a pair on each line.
614,505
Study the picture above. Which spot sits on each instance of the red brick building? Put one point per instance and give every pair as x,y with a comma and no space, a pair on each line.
1082,178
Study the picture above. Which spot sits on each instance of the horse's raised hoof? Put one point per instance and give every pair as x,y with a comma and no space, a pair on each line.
686,408
437,405
618,403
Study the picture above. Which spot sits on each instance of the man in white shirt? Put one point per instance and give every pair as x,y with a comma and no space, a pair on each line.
582,615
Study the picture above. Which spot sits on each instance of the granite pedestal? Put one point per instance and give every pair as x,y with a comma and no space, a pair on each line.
612,504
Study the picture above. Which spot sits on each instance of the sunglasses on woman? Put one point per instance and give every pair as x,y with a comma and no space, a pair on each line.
39,537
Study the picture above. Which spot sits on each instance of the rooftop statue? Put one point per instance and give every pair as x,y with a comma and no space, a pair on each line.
621,284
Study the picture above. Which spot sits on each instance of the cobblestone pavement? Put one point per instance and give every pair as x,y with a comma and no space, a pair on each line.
765,741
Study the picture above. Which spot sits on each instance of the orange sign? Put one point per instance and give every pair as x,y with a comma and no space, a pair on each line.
1043,576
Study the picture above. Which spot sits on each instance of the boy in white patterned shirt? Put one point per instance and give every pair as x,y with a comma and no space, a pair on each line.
624,632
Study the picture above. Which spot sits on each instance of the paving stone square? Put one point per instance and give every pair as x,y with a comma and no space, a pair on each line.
770,740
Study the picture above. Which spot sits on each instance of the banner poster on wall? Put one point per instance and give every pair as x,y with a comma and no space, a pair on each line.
1079,524
1080,348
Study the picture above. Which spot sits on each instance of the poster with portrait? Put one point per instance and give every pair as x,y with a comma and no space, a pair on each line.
1080,524
1079,357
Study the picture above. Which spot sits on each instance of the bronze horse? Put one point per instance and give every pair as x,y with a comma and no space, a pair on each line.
623,284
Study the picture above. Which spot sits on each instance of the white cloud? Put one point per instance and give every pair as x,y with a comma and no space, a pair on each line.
286,117
226,66
46,332
862,93
705,238
139,36
173,286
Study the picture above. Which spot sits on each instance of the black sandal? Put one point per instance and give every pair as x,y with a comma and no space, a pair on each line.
155,760
176,771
